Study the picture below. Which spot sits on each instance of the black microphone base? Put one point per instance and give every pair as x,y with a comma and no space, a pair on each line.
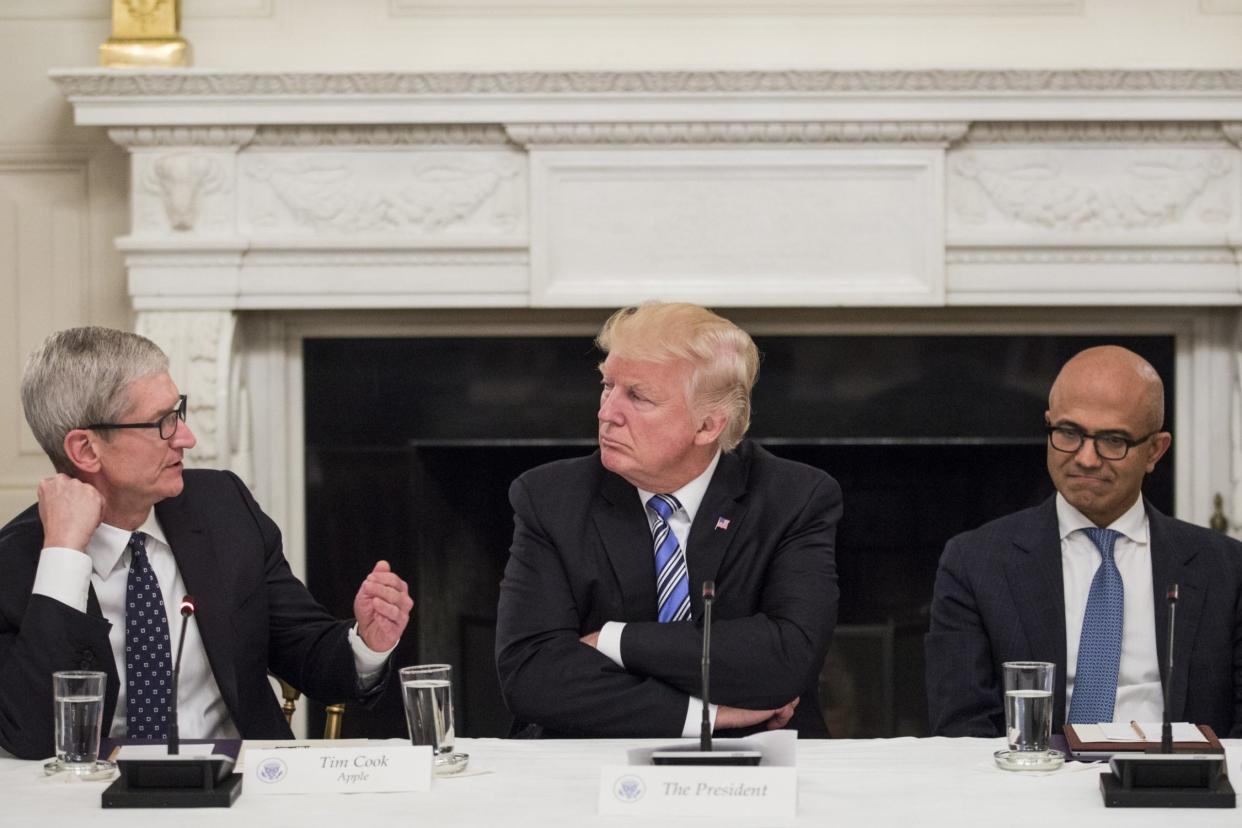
185,783
1146,781
706,757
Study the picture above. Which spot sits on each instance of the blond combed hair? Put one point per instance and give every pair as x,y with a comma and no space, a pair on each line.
723,357
79,376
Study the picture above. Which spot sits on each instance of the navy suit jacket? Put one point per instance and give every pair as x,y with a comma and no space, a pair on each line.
1000,597
582,555
253,615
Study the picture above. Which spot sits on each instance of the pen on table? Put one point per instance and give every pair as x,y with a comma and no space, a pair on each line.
1138,730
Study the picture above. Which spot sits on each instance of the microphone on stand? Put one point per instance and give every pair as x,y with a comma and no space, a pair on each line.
705,730
173,780
704,754
1166,727
174,741
1160,778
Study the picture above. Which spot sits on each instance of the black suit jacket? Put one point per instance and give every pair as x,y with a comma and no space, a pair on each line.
582,555
253,615
1000,597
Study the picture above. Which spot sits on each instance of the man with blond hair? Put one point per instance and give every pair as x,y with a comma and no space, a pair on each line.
599,623
95,571
1081,580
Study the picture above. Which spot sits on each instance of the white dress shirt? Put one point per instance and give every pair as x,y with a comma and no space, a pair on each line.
65,575
690,496
1139,696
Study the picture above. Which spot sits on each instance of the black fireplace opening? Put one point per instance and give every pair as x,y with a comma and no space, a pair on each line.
411,444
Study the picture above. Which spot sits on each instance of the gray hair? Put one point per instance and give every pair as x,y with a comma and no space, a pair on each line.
79,376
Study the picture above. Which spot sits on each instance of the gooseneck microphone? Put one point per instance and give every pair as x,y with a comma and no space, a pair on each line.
1166,727
174,739
703,754
705,730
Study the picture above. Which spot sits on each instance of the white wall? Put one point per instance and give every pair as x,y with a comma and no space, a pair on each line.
62,188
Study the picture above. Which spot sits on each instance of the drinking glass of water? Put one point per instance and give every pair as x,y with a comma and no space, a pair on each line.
77,704
1028,716
427,690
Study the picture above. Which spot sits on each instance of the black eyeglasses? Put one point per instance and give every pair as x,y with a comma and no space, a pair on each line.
167,424
1108,446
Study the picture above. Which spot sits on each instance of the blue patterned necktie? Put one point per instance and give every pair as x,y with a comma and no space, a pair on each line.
148,660
672,579
1099,648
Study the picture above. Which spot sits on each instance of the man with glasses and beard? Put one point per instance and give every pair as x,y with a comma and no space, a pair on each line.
95,571
1081,579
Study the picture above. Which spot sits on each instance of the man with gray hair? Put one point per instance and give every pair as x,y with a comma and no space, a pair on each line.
94,571
599,623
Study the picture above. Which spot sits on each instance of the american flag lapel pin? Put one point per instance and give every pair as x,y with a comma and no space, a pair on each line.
722,523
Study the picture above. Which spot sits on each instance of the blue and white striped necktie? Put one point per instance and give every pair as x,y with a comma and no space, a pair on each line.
672,579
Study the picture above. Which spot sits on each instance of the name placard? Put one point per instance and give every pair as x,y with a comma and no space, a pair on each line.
697,790
372,769
768,791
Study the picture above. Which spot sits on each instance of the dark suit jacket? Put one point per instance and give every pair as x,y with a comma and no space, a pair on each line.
1000,597
253,615
582,555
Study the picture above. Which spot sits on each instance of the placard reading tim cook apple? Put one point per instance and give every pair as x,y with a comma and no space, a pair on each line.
302,770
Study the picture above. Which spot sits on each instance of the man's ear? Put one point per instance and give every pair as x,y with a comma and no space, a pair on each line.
710,428
1160,445
81,450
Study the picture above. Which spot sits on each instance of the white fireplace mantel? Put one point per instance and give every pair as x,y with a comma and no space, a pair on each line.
941,191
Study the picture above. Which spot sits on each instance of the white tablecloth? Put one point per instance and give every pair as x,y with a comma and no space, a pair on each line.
912,783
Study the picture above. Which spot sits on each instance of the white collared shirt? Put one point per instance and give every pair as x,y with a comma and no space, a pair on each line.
65,575
690,496
1139,695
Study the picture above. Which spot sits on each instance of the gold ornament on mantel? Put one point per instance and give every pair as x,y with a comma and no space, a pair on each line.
145,33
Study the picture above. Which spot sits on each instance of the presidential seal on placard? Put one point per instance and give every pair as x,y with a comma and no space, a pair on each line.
629,788
272,770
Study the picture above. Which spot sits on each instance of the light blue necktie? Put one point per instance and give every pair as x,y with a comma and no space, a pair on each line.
672,579
148,652
1099,647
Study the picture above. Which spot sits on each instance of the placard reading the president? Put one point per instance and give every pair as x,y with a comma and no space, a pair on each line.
301,770
769,791
685,790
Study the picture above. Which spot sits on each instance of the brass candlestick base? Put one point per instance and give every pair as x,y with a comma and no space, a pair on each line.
163,51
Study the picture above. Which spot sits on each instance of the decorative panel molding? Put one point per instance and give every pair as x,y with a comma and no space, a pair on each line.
1097,132
736,227
85,84
1051,193
411,195
664,8
382,135
44,279
664,134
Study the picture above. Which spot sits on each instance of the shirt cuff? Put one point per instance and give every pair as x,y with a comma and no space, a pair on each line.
367,663
694,718
63,575
609,641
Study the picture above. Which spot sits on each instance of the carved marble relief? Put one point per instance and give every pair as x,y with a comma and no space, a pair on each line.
1069,191
199,345
182,192
428,194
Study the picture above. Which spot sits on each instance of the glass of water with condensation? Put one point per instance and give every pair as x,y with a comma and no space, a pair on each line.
427,690
77,705
1028,716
